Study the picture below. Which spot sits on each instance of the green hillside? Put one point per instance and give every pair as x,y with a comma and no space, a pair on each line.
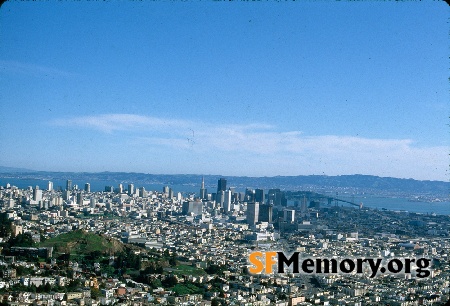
82,242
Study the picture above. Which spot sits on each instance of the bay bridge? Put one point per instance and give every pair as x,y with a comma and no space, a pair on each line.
330,199
336,200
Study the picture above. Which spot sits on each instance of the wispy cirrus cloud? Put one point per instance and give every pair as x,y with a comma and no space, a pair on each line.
120,122
288,151
33,69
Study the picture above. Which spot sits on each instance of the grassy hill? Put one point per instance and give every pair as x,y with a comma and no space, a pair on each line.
82,242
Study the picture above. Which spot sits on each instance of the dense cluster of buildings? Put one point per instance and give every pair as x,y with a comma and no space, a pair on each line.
222,228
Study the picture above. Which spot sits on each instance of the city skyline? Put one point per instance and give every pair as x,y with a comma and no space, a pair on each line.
240,89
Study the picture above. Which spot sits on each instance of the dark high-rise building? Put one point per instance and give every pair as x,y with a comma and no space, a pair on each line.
259,196
289,215
252,213
66,195
221,185
69,185
220,198
277,197
80,198
283,200
241,197
266,213
249,195
271,196
130,189
193,207
304,207
142,192
166,189
87,187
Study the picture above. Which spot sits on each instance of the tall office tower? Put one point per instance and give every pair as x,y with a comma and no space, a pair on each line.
130,189
241,196
283,199
235,197
37,194
272,196
221,185
170,193
120,188
142,192
66,195
220,198
249,195
277,197
50,186
69,185
109,189
92,202
87,187
289,215
265,213
252,213
203,190
304,208
227,207
80,198
192,207
166,189
259,196
10,203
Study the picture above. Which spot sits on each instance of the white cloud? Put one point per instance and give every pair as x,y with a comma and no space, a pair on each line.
117,122
28,68
276,152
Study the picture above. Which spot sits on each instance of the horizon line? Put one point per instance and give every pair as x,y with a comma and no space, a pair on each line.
25,170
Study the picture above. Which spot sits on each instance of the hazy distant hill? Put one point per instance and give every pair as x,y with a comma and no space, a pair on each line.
13,170
301,182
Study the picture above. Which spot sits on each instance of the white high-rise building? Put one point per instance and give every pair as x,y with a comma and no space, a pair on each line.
50,186
203,191
37,194
227,201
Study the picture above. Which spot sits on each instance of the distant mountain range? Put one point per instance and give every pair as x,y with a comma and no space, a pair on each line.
13,170
362,183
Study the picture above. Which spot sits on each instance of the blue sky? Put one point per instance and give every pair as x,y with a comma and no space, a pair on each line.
231,88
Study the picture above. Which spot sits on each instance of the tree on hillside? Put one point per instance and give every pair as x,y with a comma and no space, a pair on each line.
173,260
170,281
5,226
21,240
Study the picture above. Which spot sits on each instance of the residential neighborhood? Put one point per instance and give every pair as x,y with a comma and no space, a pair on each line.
130,246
